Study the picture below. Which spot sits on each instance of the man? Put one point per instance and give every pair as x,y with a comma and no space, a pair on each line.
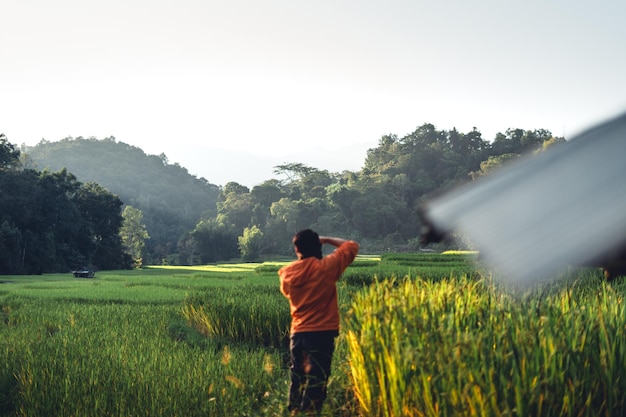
310,285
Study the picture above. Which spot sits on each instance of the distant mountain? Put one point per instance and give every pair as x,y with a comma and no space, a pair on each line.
171,199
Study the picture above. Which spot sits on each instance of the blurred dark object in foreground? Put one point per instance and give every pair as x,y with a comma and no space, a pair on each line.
542,213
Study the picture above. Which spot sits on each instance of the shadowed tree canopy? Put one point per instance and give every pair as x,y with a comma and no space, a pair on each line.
51,222
9,155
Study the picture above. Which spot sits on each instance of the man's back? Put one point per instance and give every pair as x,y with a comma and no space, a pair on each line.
309,284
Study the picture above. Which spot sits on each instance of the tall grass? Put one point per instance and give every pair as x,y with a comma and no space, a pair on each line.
257,315
463,347
117,360
107,347
431,266
212,341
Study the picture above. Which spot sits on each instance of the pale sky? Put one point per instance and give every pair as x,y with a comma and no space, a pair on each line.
278,79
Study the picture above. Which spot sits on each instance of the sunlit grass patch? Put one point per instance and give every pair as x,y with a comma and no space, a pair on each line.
464,347
460,252
235,267
367,258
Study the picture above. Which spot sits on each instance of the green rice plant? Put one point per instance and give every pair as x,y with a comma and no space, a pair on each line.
412,258
386,349
400,265
464,347
117,359
365,263
268,268
455,345
251,314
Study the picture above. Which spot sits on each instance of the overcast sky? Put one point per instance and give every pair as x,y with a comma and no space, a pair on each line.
278,79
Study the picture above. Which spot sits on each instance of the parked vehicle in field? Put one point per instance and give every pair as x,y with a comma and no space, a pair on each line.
84,273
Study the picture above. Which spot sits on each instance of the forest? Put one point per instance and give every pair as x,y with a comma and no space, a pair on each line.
51,222
108,204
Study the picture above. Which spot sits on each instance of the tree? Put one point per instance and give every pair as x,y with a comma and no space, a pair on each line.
234,188
263,196
267,192
11,248
236,209
209,242
50,222
250,243
548,143
341,197
493,163
9,155
378,214
294,171
519,141
383,158
64,225
134,234
282,224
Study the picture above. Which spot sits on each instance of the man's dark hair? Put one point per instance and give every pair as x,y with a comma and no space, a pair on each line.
308,244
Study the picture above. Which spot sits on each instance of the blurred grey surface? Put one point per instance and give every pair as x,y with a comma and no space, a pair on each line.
532,218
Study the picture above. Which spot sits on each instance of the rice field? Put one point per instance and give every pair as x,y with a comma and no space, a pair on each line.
422,335
461,347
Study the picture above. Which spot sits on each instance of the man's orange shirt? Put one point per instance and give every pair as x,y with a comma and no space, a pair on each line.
309,284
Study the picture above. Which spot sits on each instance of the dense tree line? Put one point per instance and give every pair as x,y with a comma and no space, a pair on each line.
190,221
51,222
377,206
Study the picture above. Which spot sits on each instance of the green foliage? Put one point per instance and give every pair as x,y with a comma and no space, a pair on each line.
493,163
9,155
378,205
192,222
172,200
101,209
235,207
209,242
133,233
519,141
51,222
250,243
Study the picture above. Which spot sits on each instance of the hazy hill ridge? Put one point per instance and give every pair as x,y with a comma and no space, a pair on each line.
171,199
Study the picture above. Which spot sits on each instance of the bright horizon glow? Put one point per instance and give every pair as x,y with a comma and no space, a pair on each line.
276,79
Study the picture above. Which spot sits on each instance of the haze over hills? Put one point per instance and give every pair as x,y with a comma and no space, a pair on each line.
220,166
